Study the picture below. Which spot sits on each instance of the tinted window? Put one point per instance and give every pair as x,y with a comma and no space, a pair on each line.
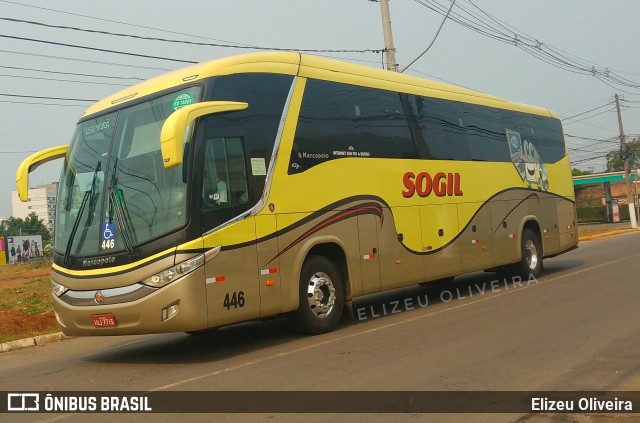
266,95
545,133
485,133
383,125
550,139
340,120
442,130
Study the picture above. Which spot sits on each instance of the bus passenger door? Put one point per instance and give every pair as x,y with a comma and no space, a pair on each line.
268,265
368,225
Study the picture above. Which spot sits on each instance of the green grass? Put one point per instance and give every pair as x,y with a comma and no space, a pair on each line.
31,298
13,269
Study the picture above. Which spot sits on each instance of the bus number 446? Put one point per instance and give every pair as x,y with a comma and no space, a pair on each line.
234,300
108,244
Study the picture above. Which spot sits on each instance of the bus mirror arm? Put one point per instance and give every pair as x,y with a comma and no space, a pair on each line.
175,128
30,164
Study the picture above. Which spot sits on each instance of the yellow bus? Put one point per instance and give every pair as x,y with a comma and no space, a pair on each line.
276,184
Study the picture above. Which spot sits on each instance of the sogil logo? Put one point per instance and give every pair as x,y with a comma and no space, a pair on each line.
441,184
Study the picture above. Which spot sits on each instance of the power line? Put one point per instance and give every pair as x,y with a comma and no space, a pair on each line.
492,27
588,117
588,149
46,56
590,104
92,75
596,126
145,56
43,104
45,98
576,162
434,38
196,43
62,80
610,140
588,111
117,22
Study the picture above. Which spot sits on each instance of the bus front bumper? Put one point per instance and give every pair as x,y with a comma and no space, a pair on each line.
180,306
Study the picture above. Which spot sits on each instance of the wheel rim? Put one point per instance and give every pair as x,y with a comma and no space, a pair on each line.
531,254
321,294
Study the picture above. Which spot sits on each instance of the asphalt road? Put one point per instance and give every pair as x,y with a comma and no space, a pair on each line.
575,328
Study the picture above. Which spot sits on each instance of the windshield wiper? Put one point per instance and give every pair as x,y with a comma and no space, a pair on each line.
87,196
115,205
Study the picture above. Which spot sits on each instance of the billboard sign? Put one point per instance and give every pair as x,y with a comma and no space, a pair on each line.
3,252
24,248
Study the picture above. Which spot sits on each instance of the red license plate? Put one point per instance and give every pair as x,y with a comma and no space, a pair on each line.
103,320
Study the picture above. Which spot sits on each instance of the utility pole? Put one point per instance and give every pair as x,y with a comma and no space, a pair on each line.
388,37
624,156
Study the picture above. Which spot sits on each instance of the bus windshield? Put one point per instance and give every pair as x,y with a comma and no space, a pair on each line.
114,191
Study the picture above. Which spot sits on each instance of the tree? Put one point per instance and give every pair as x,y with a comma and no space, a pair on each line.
30,225
579,172
632,150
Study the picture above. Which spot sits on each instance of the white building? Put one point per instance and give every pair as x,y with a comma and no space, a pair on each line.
41,200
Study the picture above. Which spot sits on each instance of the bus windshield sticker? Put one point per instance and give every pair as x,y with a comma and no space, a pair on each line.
182,100
98,127
517,155
258,166
108,236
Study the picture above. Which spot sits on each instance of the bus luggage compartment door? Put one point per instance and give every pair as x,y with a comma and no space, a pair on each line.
441,249
476,244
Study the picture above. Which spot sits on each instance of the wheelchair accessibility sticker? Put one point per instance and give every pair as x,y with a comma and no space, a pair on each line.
108,236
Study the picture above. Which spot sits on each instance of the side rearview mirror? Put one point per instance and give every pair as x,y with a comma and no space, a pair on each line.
175,127
29,164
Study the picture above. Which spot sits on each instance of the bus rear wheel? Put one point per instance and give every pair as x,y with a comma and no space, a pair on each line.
321,297
531,262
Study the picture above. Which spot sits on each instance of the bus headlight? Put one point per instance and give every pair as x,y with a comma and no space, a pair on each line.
57,289
167,276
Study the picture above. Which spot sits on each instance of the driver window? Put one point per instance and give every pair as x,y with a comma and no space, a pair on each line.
225,177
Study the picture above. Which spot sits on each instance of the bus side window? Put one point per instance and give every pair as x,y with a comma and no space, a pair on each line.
442,128
548,138
485,134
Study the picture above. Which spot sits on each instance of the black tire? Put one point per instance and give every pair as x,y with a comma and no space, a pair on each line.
321,297
531,262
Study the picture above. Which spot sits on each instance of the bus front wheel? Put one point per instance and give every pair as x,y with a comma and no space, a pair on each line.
321,297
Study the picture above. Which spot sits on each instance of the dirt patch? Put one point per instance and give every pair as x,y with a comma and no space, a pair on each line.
26,309
15,325
11,280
